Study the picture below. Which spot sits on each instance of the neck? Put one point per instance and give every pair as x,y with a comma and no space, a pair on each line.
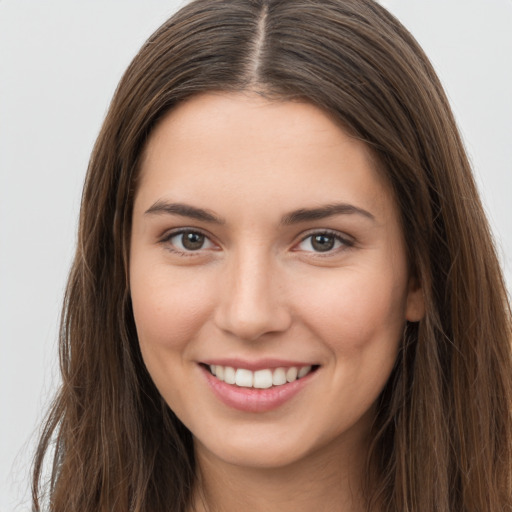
329,479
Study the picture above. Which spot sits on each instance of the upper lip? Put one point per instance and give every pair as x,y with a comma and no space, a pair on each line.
257,364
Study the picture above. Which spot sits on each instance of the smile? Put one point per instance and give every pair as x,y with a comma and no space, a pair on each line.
259,379
260,389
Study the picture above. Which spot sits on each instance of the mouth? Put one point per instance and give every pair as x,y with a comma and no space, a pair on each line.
267,387
264,378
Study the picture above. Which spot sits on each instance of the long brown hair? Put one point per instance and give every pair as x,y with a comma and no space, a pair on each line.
442,435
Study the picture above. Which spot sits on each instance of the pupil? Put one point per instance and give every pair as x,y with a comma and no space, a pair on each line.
192,241
322,243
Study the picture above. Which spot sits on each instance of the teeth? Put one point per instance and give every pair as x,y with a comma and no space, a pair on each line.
303,371
229,375
263,379
279,377
260,379
291,374
244,378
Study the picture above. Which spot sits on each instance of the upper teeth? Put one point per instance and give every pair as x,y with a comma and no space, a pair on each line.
261,379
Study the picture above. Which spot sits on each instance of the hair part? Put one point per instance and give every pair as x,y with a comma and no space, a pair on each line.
442,435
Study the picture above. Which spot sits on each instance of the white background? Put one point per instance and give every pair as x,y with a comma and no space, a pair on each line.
60,61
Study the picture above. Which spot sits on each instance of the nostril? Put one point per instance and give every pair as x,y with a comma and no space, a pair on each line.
248,304
250,324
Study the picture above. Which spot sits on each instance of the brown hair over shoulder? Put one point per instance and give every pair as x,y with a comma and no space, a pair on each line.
442,437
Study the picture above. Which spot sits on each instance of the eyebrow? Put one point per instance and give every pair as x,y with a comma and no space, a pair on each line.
295,217
309,214
183,210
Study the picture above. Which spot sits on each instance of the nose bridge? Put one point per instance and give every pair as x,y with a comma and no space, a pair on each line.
252,301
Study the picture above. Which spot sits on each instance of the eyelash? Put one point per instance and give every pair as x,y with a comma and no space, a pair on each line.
171,247
344,241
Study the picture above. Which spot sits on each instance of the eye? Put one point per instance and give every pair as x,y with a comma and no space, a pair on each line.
323,242
188,241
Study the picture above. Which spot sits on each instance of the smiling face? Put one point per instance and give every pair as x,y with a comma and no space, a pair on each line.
265,242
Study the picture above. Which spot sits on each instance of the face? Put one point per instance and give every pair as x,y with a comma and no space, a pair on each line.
266,249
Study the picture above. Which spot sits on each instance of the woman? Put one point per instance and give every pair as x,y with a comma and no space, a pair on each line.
285,293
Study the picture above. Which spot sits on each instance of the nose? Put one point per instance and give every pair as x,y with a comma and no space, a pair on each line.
251,301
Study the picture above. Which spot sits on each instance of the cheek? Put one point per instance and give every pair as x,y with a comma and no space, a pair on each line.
169,313
169,309
361,324
358,313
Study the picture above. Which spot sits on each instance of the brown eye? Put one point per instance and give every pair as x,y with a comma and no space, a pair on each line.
192,241
322,243
188,241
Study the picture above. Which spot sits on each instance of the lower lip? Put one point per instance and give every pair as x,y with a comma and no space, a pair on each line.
255,400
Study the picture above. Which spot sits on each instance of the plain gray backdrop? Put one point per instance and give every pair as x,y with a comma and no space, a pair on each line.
60,61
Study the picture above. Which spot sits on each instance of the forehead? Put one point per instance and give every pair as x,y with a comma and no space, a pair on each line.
244,145
229,117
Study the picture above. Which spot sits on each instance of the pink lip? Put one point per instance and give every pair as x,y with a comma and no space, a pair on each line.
254,365
255,400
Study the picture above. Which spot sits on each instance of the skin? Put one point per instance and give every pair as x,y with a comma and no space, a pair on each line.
258,288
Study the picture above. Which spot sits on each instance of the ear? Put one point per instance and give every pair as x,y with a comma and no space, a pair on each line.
415,307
